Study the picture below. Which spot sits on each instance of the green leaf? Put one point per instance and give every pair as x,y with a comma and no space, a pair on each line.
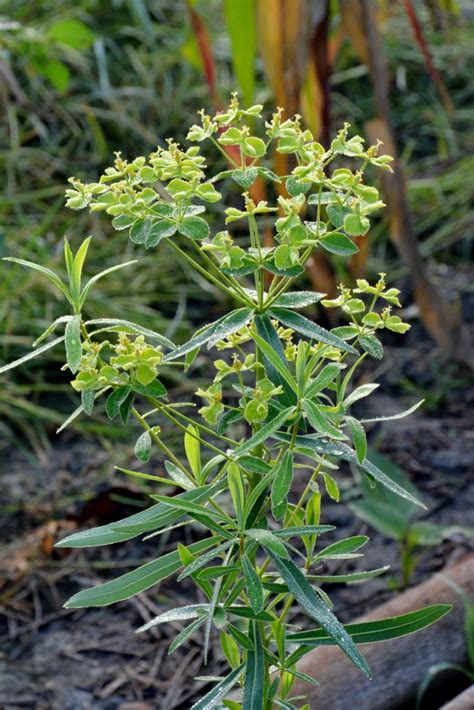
87,401
153,518
50,275
276,362
371,345
194,228
299,299
282,480
349,578
332,489
31,355
339,244
314,607
97,277
233,322
299,531
265,330
203,559
143,447
192,446
360,393
254,687
310,330
115,399
134,582
213,697
392,417
159,230
72,336
181,613
265,432
254,464
223,327
380,630
356,224
153,389
319,422
185,634
337,214
268,541
253,583
358,437
246,177
343,549
247,613
327,375
118,324
344,452
189,507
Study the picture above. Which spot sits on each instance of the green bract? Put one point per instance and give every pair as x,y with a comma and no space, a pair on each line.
278,408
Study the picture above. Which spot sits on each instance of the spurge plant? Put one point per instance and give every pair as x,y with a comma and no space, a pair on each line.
277,412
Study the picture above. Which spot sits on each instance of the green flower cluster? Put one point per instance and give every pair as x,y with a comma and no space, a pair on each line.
133,361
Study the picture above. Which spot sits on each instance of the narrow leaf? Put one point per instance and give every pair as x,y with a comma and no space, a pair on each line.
253,583
254,687
380,630
134,582
314,607
310,330
214,697
72,336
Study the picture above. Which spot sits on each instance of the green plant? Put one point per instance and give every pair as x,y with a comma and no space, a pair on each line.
398,518
287,382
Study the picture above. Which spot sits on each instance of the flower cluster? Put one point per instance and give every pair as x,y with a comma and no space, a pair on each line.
133,361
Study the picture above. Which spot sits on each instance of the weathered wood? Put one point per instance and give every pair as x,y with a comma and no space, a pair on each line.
464,701
397,665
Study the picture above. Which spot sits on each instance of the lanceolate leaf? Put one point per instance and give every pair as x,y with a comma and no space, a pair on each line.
205,558
299,299
72,336
127,326
31,355
349,578
314,607
324,378
319,422
255,672
254,584
358,437
380,630
304,530
153,518
136,581
279,365
213,332
344,452
265,330
309,329
230,324
181,613
265,432
214,697
282,480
